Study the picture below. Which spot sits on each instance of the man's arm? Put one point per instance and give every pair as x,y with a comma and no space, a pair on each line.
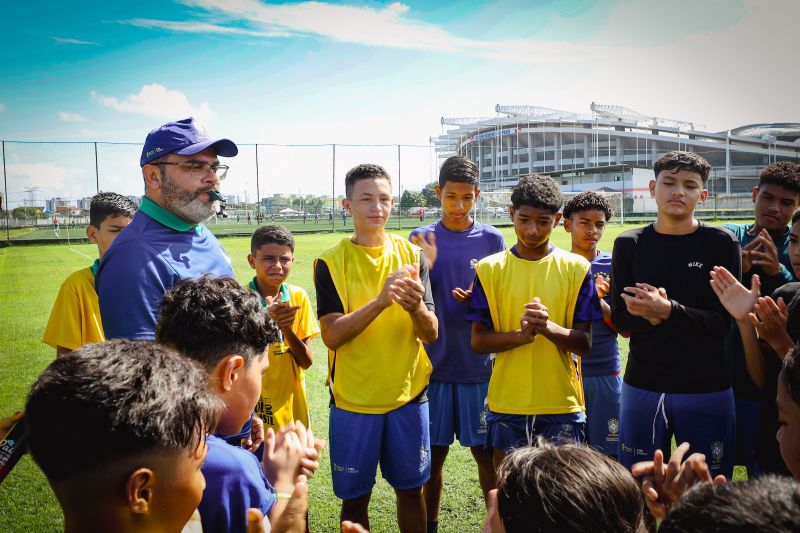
484,340
577,340
622,275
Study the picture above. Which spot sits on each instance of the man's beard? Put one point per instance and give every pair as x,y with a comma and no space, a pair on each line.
185,203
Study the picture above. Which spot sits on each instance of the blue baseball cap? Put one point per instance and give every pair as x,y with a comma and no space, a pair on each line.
183,137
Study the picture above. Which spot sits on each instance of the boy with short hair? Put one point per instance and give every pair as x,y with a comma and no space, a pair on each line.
283,389
562,489
220,324
460,378
675,381
119,430
585,219
533,306
765,252
375,309
75,318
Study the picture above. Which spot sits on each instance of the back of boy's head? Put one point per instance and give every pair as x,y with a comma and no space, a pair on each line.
271,235
363,171
549,488
106,404
211,318
109,204
784,174
587,201
458,169
769,504
676,161
537,191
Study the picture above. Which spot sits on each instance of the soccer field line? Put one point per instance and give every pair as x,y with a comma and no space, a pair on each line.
87,256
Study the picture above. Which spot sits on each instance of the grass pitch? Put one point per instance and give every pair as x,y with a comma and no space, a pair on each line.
31,278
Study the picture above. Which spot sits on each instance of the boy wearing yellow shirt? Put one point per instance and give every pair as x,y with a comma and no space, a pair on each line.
283,388
75,318
533,306
375,308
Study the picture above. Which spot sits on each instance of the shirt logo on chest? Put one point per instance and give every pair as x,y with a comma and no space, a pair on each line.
473,263
696,264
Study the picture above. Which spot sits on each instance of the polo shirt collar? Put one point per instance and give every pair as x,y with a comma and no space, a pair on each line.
167,218
94,266
284,291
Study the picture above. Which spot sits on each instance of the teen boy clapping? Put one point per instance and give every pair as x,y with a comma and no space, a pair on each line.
675,381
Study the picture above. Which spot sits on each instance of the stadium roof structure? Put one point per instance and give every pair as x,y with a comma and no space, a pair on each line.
781,131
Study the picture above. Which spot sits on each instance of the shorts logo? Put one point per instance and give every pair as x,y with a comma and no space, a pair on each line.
613,426
482,426
624,448
345,469
717,450
566,430
423,458
473,263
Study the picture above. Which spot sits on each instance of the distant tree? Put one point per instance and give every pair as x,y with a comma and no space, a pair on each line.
314,205
411,199
429,192
27,212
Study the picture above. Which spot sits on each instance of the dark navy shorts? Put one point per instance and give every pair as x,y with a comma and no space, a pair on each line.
507,432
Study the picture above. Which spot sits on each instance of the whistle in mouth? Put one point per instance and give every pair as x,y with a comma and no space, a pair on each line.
214,194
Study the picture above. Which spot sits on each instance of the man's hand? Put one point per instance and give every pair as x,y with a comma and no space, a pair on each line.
663,485
648,302
462,296
535,316
427,241
282,313
385,298
256,437
408,291
761,251
734,296
602,284
770,319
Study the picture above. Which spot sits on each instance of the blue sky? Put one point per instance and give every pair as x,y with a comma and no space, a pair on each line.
373,72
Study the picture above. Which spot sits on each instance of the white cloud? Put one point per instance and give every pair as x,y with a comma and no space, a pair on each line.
48,176
155,100
67,40
71,117
389,27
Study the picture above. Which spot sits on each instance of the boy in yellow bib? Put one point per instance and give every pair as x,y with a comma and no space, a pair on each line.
375,309
533,306
283,390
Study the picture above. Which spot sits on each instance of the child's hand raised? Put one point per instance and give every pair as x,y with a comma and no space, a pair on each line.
427,241
282,455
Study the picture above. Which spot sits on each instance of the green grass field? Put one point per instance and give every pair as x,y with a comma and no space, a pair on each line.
31,278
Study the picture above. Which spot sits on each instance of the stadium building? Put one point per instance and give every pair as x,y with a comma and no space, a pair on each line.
612,149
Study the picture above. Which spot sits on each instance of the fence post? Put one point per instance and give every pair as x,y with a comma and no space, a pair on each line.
5,194
333,188
258,191
96,171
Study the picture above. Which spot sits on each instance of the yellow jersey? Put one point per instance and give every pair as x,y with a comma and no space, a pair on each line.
537,378
386,365
75,317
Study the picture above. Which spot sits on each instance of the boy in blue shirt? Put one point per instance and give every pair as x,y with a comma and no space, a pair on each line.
220,324
460,378
585,219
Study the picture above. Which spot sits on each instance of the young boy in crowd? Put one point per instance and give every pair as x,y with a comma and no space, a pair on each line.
119,430
675,381
222,326
283,390
765,252
75,318
585,219
376,310
535,388
460,378
561,489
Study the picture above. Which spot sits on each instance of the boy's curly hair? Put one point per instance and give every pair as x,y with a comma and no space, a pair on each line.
588,201
537,191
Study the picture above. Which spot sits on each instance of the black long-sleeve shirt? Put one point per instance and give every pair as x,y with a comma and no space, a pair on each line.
685,353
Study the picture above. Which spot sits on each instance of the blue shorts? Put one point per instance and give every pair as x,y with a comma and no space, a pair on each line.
648,420
458,409
507,432
601,394
747,415
399,440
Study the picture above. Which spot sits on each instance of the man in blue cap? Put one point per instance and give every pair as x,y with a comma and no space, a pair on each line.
166,241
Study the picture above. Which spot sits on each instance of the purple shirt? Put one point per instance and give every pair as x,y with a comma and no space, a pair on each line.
458,252
603,358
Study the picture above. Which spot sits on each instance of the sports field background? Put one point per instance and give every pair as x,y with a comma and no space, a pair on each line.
31,276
